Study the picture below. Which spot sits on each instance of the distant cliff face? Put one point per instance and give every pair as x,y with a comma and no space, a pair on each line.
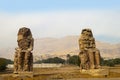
51,47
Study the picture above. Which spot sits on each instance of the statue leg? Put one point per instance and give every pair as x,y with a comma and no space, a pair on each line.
91,58
20,61
81,55
16,62
84,60
27,61
80,60
97,59
31,62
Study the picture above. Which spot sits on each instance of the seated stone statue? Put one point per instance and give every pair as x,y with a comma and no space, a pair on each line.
88,47
23,60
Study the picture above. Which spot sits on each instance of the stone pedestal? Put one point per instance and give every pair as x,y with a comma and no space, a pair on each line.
95,72
23,75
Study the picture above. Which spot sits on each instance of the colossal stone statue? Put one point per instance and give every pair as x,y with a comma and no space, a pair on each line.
89,54
23,59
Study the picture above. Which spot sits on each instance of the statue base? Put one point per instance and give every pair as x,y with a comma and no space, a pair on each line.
23,74
96,72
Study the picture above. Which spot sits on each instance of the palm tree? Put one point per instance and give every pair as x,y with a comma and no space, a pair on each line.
68,57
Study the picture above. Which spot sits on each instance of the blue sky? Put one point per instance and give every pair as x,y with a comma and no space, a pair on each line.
59,18
51,5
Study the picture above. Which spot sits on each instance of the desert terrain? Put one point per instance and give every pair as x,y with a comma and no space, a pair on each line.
68,72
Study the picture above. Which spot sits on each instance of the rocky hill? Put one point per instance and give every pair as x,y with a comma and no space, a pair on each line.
51,47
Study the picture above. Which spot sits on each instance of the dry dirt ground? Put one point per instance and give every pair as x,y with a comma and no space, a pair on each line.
62,73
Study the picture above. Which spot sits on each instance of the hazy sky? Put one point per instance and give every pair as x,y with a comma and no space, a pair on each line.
59,18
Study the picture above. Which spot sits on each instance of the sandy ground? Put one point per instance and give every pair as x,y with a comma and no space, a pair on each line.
62,73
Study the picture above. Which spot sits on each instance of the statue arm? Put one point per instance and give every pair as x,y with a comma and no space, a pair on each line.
80,44
31,45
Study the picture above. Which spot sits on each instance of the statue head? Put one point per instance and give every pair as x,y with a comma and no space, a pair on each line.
25,40
87,32
86,40
24,33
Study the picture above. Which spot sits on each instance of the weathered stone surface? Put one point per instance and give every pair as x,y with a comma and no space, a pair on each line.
23,59
89,54
96,72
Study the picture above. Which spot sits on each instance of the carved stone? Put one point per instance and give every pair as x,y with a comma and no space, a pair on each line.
89,54
23,59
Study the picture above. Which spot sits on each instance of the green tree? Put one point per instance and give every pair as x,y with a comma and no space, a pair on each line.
116,61
68,57
74,60
51,60
102,62
3,64
109,62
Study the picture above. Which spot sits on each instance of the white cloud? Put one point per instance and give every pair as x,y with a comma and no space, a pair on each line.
58,24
